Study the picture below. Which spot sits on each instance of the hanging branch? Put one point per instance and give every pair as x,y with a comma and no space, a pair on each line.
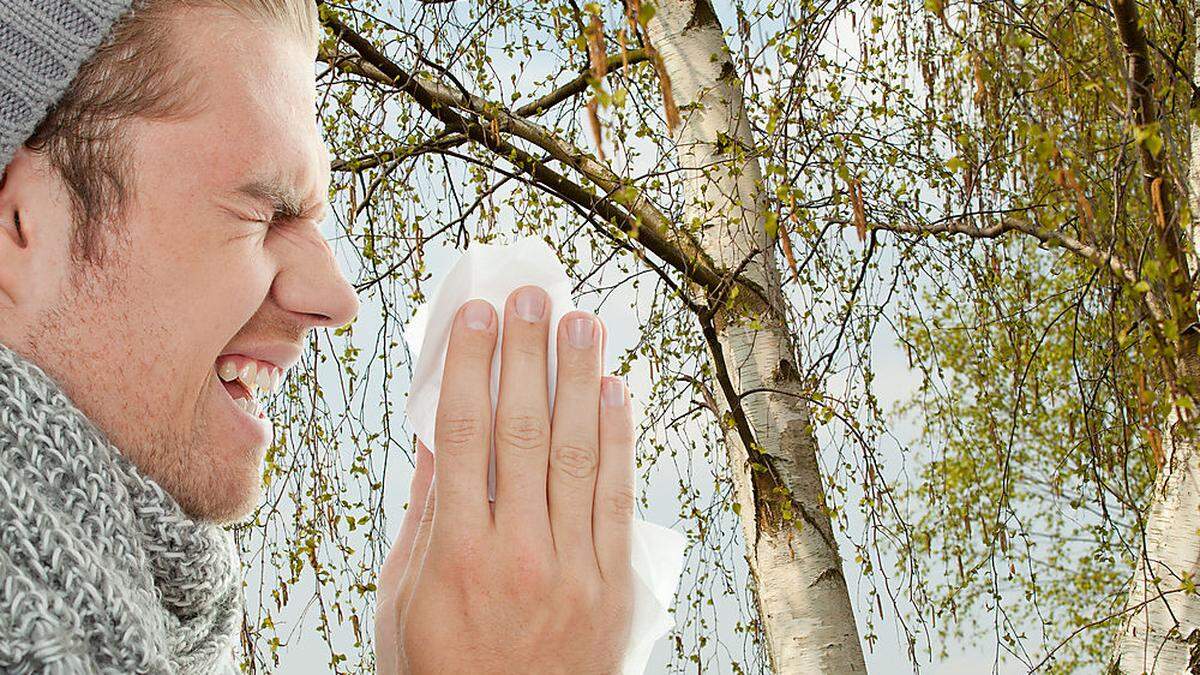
1104,260
579,84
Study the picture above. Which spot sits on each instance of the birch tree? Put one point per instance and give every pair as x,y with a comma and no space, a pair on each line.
1104,193
802,594
804,605
1161,633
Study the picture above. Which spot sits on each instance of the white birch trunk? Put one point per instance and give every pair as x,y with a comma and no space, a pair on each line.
1161,633
802,597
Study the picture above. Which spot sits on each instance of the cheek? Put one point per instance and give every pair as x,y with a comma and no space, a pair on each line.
239,276
213,288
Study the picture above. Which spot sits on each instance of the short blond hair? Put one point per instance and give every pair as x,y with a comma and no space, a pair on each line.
135,73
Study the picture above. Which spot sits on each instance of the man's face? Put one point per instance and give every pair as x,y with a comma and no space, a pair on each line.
209,272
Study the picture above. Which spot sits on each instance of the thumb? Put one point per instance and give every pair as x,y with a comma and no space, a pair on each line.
387,587
397,560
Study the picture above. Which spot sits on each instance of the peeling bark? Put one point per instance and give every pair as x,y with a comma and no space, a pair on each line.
801,592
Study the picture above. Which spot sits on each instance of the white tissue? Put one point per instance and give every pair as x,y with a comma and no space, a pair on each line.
492,272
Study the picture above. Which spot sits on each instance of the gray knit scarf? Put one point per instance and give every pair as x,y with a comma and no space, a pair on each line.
100,569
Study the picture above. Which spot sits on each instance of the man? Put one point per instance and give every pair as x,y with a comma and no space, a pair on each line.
161,265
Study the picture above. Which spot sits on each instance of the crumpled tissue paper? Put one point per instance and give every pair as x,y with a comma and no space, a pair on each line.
491,272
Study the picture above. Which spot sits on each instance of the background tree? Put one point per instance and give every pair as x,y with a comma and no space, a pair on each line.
1074,357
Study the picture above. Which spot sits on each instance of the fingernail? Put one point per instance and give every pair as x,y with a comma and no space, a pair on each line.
612,392
478,315
530,304
581,332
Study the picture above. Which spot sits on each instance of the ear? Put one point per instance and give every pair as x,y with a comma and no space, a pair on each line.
10,222
33,212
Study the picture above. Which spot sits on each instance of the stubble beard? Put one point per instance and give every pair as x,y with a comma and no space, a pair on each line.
65,343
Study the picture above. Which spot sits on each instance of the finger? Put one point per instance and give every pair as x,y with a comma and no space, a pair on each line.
612,516
574,439
420,547
397,560
522,427
388,585
464,422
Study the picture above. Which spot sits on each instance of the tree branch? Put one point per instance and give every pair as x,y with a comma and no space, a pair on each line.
578,85
642,221
438,143
1101,259
1139,84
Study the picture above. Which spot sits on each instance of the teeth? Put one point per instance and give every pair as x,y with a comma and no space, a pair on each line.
260,380
249,405
263,381
248,376
228,371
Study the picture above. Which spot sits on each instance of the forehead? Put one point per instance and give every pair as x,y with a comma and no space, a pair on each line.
256,120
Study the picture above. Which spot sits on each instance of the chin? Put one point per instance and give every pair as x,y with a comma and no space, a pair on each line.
241,491
235,501
228,492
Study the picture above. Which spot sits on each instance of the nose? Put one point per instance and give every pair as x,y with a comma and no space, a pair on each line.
310,283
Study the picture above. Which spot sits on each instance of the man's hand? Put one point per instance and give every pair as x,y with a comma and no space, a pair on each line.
541,582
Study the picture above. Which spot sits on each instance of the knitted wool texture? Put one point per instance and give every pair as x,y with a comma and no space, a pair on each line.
42,45
101,571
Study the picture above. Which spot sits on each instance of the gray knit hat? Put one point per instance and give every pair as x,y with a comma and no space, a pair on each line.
42,45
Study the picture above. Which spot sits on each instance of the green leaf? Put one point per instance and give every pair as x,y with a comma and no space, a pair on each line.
772,225
1148,136
1154,144
645,12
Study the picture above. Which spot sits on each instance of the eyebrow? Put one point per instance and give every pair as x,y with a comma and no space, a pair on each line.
284,199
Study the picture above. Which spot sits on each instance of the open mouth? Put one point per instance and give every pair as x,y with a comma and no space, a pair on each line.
248,381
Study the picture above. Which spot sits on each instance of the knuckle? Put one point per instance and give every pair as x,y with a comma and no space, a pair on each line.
618,433
522,431
460,559
471,352
529,347
621,502
458,431
478,349
574,460
581,370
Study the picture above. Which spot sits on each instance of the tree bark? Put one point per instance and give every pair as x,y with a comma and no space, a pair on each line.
1161,632
801,592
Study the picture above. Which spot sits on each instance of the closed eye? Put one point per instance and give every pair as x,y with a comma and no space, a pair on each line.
286,212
